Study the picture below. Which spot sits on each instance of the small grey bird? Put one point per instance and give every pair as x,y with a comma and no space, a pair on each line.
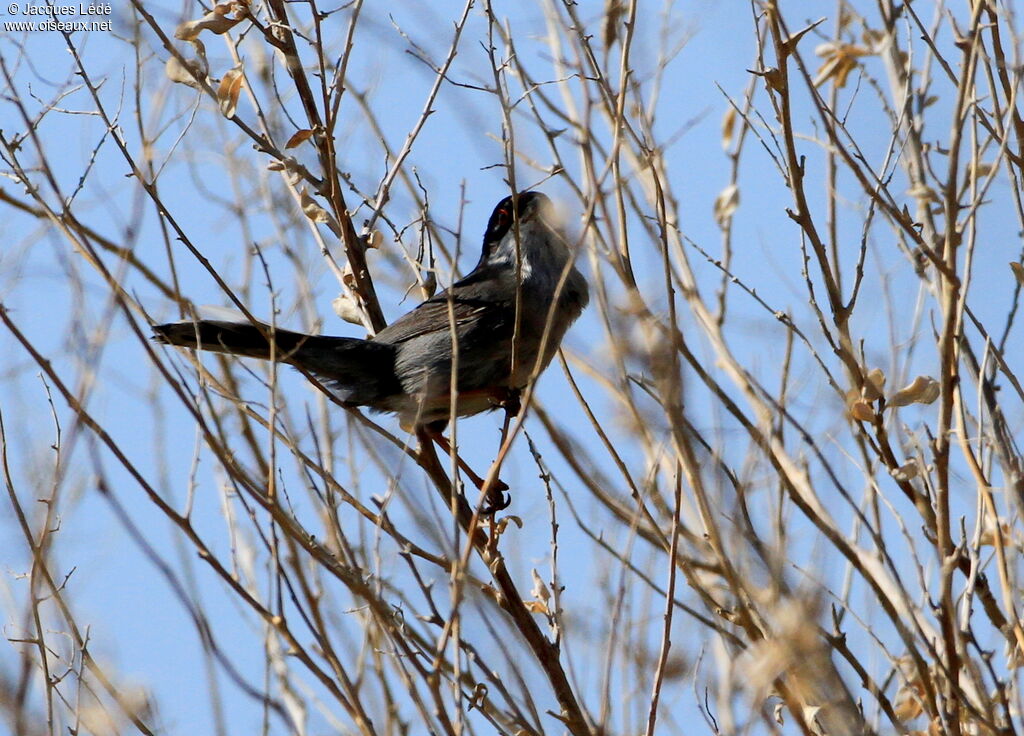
509,316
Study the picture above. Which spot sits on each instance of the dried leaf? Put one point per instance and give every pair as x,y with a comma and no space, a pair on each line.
501,524
218,20
978,169
539,590
348,276
347,308
923,390
839,60
613,10
726,203
316,213
536,607
925,192
178,72
728,126
429,285
845,18
311,208
373,239
299,137
293,169
906,471
96,718
873,39
228,90
491,593
907,706
988,537
874,384
1018,271
860,409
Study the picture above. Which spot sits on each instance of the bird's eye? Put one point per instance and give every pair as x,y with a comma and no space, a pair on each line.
504,218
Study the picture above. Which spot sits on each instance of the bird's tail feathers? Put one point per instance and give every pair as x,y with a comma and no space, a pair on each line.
360,371
236,338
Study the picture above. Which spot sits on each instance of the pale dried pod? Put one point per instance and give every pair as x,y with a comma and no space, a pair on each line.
95,718
428,287
907,706
491,592
539,590
988,536
907,471
536,607
181,73
613,10
979,169
860,409
875,40
924,192
348,276
839,60
728,126
312,210
874,384
218,20
373,239
923,390
292,169
726,203
348,309
228,90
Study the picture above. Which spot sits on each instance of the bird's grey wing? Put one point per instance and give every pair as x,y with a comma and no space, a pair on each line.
484,322
476,301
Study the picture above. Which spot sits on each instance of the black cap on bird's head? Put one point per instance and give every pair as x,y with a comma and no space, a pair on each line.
523,207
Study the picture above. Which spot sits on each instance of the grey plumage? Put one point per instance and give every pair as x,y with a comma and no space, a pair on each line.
406,368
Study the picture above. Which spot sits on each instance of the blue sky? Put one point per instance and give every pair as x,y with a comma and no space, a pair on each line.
138,625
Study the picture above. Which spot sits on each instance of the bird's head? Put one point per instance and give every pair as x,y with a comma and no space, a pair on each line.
522,224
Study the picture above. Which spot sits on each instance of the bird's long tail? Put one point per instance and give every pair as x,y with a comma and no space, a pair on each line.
361,371
241,338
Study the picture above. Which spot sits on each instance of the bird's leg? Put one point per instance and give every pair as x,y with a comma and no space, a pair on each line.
512,405
496,500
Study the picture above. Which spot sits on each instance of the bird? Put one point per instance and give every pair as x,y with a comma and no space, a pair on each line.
507,316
